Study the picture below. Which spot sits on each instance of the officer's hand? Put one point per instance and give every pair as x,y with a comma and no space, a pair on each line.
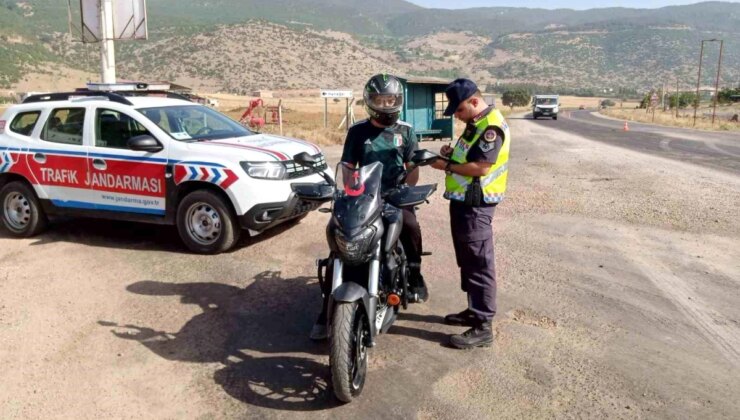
446,150
439,164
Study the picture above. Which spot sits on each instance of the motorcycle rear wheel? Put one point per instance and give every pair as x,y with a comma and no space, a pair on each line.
348,358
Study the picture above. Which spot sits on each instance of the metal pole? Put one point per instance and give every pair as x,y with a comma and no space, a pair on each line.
676,105
280,115
698,80
716,83
662,96
107,49
326,110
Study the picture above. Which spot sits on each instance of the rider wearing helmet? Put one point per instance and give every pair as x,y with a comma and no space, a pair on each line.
384,138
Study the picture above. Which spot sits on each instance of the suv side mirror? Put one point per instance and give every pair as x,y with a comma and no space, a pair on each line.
145,143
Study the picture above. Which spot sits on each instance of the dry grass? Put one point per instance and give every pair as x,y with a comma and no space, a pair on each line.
685,118
303,117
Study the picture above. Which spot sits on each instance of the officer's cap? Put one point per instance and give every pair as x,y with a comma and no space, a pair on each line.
457,92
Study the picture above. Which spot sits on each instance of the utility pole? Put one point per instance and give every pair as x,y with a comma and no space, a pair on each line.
662,97
107,49
698,81
716,83
676,98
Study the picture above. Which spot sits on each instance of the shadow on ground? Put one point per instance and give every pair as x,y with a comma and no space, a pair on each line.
130,235
236,327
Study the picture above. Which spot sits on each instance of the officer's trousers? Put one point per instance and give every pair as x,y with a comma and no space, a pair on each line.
472,236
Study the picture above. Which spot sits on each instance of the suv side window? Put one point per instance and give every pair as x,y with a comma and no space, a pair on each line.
64,126
24,122
113,129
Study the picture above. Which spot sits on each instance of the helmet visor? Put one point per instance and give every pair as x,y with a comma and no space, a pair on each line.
385,102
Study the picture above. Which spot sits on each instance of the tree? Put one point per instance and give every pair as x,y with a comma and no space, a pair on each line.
516,97
682,100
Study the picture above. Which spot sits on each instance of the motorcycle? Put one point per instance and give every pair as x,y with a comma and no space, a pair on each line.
368,266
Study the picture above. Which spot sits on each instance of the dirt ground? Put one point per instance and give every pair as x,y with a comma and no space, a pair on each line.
618,298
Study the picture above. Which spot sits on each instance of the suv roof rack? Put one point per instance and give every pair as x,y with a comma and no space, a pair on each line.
119,97
165,93
65,96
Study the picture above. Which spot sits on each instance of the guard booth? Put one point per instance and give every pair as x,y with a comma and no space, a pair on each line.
424,104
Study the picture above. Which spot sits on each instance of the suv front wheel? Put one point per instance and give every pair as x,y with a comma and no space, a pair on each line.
22,215
206,223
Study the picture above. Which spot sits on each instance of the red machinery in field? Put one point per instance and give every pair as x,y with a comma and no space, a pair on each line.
251,118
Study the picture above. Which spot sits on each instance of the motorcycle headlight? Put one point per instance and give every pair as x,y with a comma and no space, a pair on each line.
264,170
356,249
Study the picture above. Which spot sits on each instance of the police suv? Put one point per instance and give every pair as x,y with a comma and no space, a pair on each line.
139,155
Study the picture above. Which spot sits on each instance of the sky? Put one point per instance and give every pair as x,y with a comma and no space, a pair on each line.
553,4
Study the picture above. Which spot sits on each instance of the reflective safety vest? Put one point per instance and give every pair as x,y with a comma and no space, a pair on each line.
493,184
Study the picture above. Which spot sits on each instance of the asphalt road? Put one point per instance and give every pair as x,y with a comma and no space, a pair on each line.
719,150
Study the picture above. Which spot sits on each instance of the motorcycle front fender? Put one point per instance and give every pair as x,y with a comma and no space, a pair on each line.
352,292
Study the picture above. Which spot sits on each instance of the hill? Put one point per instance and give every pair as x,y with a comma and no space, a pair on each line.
237,46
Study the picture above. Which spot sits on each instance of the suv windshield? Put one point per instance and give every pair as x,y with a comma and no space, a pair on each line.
546,101
194,123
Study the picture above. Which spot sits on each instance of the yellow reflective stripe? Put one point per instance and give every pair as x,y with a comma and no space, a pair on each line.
495,174
454,196
462,181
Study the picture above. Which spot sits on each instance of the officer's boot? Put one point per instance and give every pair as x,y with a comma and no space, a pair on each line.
465,318
480,335
418,292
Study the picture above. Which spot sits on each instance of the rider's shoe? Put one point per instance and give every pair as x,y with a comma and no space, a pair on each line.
319,332
418,294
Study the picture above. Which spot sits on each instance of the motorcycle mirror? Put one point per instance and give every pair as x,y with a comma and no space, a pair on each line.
304,159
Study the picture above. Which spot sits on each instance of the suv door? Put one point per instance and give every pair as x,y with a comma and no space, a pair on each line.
59,162
125,180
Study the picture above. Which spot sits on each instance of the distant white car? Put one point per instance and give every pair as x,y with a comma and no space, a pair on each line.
149,159
545,106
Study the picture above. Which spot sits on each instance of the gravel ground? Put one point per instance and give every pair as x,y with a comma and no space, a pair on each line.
618,291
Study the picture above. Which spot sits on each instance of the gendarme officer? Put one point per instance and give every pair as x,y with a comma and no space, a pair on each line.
476,182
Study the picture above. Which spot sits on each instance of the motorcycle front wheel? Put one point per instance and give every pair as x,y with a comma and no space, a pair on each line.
349,331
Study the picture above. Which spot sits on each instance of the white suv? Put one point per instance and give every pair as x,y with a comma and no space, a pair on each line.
151,159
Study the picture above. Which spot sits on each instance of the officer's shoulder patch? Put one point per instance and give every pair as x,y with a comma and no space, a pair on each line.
489,135
486,146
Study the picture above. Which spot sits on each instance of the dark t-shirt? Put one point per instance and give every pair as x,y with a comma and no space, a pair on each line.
392,146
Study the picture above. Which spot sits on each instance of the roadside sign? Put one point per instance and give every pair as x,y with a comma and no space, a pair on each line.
336,94
654,100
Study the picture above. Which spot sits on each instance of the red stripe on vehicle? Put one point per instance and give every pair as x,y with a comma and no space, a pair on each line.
276,155
230,179
181,173
20,167
307,143
129,177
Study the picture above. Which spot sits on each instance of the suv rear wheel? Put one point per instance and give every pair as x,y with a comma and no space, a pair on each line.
206,223
22,214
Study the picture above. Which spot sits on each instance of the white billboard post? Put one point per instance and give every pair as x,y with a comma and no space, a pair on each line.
106,21
347,94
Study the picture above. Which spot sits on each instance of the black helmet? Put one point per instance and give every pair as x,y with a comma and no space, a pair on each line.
383,97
